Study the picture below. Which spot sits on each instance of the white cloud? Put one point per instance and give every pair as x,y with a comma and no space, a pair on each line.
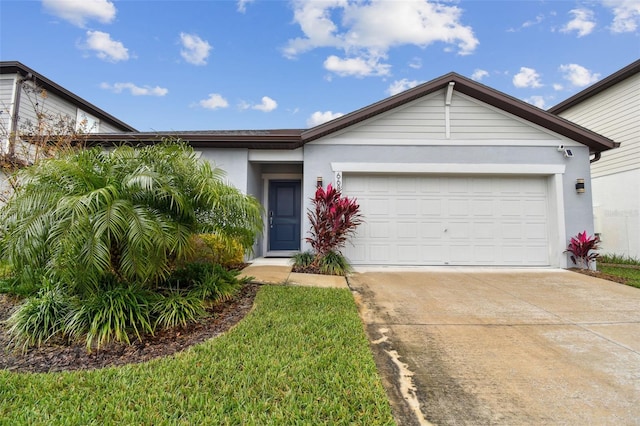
194,49
537,101
578,75
242,5
135,90
531,23
527,77
267,105
479,74
358,67
558,86
399,86
106,48
583,22
416,63
78,12
318,117
626,15
365,31
214,101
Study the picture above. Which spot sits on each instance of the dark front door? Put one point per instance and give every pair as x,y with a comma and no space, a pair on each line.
284,215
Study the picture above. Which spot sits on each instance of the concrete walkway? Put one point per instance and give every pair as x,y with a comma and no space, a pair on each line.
507,347
278,271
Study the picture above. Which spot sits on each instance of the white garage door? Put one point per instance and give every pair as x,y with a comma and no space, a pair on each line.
445,220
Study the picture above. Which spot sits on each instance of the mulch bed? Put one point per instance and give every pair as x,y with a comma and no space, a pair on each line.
599,274
65,357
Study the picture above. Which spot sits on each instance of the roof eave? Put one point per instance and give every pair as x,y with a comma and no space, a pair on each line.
615,78
15,67
198,140
594,141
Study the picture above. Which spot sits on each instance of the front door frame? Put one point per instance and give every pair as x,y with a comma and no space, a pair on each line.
266,179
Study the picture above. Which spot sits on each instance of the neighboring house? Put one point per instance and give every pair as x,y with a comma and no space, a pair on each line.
16,102
21,99
611,107
450,172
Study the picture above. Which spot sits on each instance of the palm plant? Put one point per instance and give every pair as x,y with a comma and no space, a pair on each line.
125,215
130,212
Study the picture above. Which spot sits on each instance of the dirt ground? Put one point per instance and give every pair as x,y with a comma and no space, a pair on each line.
59,356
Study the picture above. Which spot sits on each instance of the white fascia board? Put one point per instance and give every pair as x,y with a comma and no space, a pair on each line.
450,168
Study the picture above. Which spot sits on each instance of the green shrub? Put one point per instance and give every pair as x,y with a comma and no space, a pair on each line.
302,260
334,263
113,312
27,284
177,308
39,318
16,287
213,248
5,269
210,283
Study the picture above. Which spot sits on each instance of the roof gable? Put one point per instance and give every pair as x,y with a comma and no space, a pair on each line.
615,78
15,67
474,90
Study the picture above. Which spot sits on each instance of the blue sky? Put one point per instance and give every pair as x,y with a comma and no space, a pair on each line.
264,64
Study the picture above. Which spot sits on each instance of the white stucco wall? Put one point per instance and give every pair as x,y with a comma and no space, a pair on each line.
234,162
617,212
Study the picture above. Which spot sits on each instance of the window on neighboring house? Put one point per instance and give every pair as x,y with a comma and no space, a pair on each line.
87,123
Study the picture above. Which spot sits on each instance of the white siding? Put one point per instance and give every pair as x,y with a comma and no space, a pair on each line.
472,119
31,101
425,119
7,86
614,113
107,128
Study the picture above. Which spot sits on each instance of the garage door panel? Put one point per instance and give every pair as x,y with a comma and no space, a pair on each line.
482,207
419,219
484,230
409,253
458,207
379,253
377,206
431,186
378,229
431,207
407,207
430,230
535,208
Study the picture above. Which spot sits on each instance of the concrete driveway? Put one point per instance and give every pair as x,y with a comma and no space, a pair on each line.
510,347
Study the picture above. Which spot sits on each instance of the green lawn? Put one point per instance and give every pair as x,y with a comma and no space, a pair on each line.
621,266
300,357
632,275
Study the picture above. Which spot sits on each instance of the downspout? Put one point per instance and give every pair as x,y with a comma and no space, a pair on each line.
447,105
596,157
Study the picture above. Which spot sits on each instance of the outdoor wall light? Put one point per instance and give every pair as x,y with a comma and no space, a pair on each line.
319,182
580,186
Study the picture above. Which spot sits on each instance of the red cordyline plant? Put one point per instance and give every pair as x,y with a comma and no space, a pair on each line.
334,219
580,248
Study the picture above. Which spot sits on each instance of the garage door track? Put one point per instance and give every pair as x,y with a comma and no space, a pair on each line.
469,347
